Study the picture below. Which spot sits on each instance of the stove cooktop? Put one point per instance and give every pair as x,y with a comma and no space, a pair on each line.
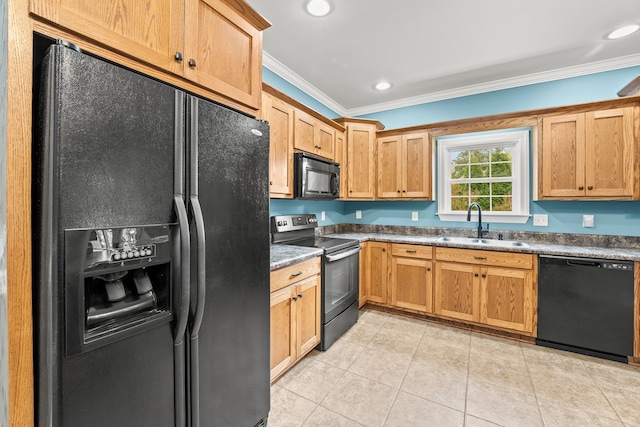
328,244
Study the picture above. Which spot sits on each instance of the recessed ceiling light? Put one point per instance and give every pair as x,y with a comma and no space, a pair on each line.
383,86
623,31
318,7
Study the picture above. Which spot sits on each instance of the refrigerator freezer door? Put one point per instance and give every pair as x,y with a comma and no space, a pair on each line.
105,159
231,158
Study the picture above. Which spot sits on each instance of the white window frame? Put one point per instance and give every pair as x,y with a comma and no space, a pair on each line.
518,140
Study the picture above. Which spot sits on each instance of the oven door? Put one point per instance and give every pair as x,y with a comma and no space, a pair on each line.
341,279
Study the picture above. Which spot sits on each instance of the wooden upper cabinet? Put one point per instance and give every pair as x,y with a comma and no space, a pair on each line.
588,155
340,156
312,135
151,31
280,116
404,166
215,44
223,52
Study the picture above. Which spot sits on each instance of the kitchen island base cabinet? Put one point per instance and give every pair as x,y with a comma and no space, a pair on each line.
295,314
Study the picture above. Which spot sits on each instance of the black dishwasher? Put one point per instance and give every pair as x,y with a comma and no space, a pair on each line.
586,306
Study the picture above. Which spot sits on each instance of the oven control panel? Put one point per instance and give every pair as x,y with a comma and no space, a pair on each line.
283,223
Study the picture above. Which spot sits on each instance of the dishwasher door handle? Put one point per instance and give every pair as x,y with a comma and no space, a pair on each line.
583,263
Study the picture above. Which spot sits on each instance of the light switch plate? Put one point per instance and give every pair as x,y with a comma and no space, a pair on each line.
322,216
414,216
358,214
588,221
541,220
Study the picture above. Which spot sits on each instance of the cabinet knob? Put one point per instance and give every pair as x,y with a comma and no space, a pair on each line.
475,275
192,63
581,188
295,298
590,187
484,276
398,191
299,295
428,268
270,182
178,56
404,191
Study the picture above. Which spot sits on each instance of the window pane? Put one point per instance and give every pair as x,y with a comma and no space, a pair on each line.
480,189
502,204
479,171
480,156
459,203
484,202
459,190
499,170
502,189
460,172
501,154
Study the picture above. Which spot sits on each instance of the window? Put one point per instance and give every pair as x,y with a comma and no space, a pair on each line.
491,169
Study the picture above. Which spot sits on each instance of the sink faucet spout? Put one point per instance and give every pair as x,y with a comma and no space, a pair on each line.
477,206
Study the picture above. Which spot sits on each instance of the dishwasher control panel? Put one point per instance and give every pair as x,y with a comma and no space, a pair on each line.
617,266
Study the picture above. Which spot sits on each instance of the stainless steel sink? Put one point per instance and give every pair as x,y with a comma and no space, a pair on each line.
483,242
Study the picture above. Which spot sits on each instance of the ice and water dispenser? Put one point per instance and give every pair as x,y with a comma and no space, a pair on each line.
117,283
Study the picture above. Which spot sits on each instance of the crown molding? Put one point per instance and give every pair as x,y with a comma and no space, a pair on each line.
543,77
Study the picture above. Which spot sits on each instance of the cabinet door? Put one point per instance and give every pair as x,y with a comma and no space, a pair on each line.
324,140
389,167
340,156
563,156
307,307
416,166
283,340
411,283
361,161
457,291
304,132
378,277
279,114
609,153
507,298
151,31
364,274
223,52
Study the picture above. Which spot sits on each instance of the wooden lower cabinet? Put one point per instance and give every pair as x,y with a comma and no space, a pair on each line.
412,277
494,289
363,274
295,315
377,279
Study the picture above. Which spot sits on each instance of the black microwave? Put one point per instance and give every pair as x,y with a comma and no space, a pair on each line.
315,177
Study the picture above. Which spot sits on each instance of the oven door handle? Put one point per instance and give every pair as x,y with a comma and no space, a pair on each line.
342,255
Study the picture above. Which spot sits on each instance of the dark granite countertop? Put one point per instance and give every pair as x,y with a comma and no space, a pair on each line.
285,255
618,253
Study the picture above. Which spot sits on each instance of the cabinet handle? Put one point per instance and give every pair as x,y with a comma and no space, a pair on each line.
178,56
192,63
411,251
295,298
299,295
484,276
475,275
481,258
590,187
295,274
270,182
581,188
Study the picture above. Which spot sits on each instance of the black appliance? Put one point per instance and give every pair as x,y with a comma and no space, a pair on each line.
340,271
315,178
586,306
151,272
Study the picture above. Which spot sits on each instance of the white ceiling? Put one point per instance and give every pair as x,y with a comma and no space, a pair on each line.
431,50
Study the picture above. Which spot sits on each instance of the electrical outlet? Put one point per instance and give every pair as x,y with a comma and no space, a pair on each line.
414,216
322,216
588,221
358,214
541,220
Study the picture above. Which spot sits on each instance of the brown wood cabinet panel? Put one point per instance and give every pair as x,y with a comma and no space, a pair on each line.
457,291
589,155
413,251
507,298
498,259
416,155
289,275
364,274
361,163
304,133
223,51
412,283
389,167
378,272
325,136
279,114
283,351
308,310
340,156
151,31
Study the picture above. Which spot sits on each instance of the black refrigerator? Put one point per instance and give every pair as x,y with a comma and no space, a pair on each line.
151,252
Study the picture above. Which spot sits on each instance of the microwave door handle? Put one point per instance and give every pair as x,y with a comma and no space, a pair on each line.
335,189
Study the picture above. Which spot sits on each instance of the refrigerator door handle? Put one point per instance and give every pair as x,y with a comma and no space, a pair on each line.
201,269
185,262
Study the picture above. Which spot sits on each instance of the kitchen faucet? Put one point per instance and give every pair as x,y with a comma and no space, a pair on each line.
480,230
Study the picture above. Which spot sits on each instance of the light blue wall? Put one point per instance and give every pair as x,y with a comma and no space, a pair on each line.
611,217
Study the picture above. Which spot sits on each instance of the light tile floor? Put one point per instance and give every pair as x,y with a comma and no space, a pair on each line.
390,370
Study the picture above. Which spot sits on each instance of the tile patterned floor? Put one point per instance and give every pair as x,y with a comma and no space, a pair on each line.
393,371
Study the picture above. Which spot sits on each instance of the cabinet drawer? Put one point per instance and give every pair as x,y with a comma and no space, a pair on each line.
498,259
416,251
294,273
